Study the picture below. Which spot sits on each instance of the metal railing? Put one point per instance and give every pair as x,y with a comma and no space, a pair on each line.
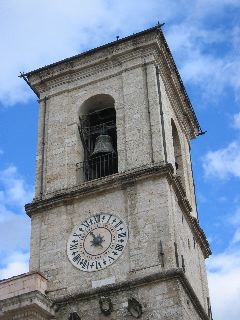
98,167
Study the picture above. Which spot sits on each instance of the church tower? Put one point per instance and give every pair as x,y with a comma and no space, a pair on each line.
115,231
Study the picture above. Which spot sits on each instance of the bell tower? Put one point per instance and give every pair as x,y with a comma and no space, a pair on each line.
115,229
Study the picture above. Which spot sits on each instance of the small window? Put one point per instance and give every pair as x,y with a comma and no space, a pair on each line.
177,153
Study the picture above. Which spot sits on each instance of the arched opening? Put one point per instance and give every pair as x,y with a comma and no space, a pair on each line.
99,137
177,153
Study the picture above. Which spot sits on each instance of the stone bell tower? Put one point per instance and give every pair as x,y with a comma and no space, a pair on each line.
115,232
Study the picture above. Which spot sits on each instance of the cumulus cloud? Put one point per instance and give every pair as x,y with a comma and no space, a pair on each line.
236,121
14,191
14,223
223,163
223,274
224,284
36,33
15,264
70,27
193,44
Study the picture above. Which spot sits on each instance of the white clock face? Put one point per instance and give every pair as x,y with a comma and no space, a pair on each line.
97,242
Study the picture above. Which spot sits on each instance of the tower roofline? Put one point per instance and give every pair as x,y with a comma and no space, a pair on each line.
157,28
132,36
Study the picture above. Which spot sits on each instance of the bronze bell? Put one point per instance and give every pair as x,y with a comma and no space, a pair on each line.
103,145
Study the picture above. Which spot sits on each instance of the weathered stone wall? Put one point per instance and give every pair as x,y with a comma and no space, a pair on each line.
138,124
149,206
150,209
160,301
169,114
190,254
143,206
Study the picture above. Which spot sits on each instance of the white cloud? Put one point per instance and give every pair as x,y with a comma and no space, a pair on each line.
14,223
207,56
236,237
36,33
14,189
223,275
224,284
236,121
223,163
235,218
16,264
15,231
200,64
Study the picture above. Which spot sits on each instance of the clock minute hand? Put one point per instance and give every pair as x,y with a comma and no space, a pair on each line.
97,240
93,235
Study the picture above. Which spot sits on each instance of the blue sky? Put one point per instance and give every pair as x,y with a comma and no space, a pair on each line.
204,36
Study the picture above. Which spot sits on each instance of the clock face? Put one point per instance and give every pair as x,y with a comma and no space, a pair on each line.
97,242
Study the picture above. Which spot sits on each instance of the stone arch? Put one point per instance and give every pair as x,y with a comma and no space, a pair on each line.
96,102
99,136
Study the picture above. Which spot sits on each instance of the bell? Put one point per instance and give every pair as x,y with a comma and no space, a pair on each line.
103,145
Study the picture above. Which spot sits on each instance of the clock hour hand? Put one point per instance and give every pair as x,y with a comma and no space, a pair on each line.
97,240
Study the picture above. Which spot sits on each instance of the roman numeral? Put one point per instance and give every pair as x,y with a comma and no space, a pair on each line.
110,258
118,224
84,263
119,247
77,258
109,218
73,246
76,235
86,224
122,235
97,218
98,265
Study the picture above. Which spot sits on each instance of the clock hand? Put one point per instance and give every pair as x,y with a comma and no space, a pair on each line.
97,240
93,235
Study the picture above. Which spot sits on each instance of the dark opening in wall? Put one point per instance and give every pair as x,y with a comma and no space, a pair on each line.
99,137
177,154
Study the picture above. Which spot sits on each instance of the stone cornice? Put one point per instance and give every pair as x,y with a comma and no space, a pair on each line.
173,274
23,275
192,221
175,89
117,180
121,180
112,60
96,53
189,113
28,302
79,72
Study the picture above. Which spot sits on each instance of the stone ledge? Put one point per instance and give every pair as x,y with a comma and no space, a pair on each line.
26,306
24,283
118,180
173,274
122,180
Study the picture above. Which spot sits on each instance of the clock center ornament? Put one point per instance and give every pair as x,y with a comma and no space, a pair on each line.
97,242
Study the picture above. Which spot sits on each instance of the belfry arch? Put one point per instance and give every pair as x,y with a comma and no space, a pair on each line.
97,128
